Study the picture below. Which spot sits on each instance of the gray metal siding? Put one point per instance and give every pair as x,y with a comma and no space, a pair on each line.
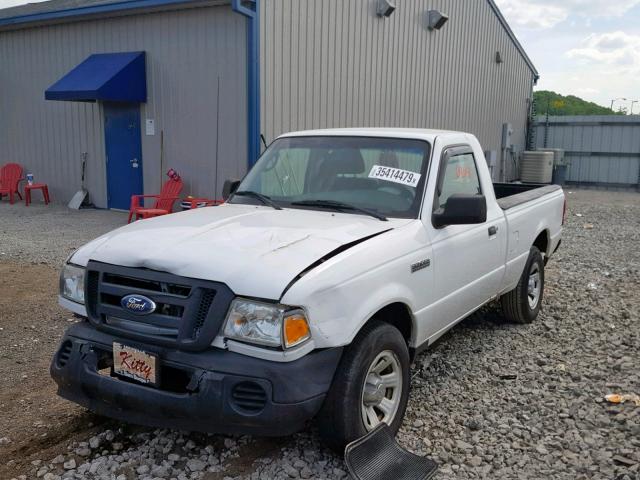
191,53
601,150
334,63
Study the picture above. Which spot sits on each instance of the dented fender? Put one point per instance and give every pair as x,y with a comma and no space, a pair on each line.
346,291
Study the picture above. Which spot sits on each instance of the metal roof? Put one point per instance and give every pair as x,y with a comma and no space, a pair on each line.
61,10
66,9
48,7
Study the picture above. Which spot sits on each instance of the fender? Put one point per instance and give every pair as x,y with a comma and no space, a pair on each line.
345,292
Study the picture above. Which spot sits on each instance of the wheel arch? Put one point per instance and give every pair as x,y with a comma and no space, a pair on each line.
397,314
543,242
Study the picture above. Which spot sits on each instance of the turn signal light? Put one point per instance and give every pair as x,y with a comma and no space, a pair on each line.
296,329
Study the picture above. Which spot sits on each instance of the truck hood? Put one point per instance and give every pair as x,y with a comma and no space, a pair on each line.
255,251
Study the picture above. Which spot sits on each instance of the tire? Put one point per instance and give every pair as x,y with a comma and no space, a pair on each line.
342,417
517,304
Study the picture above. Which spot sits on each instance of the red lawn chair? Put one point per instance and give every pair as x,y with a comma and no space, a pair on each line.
164,202
10,177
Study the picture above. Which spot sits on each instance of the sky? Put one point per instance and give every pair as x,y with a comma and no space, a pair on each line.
587,48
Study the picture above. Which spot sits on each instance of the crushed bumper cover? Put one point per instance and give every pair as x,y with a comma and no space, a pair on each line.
211,391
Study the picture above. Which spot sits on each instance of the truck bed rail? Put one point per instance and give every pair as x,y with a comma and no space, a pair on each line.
510,195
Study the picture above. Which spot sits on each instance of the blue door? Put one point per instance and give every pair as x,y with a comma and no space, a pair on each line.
124,153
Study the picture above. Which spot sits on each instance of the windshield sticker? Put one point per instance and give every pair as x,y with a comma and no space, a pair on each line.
395,175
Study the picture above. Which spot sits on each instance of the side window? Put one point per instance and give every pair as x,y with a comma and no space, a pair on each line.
460,176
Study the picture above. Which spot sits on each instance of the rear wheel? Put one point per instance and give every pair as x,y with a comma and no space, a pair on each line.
371,386
523,303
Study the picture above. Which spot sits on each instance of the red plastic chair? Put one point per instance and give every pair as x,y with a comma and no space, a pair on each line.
10,177
164,202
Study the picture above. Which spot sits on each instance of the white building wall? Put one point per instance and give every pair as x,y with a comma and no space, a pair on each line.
190,54
335,63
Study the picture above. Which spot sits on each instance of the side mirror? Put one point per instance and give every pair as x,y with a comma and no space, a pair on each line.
230,186
461,209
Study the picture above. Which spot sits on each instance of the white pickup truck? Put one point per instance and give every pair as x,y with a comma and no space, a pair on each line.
340,256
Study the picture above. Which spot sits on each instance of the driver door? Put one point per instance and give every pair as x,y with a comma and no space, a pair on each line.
468,260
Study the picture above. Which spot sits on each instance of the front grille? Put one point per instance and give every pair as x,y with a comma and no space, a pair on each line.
91,292
249,396
203,310
147,285
188,312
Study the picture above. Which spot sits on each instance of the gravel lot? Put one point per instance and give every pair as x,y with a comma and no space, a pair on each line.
490,400
49,233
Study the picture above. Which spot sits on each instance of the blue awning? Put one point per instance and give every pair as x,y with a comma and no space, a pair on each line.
113,77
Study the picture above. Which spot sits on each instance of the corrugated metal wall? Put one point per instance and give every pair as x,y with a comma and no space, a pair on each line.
194,57
601,150
334,63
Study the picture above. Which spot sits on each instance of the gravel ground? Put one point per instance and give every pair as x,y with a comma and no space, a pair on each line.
490,400
49,233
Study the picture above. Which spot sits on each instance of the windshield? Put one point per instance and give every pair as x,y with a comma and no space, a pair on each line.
383,175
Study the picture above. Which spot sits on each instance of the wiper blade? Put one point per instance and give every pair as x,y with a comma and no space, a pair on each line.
263,198
339,206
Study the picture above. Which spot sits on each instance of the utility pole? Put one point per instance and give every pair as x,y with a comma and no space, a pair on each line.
615,100
633,102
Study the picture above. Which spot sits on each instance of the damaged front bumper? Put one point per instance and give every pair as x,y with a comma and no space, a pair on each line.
213,391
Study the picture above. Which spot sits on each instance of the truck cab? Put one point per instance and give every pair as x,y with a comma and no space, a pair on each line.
340,256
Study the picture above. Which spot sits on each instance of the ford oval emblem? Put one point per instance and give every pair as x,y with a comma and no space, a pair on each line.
138,304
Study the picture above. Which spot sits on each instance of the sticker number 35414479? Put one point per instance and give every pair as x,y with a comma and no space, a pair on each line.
395,175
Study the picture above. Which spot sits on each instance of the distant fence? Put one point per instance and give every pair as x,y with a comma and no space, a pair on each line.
602,151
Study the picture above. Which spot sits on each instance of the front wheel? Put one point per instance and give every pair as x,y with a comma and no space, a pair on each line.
523,303
371,386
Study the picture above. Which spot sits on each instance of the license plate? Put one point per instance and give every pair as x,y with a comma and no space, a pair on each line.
135,364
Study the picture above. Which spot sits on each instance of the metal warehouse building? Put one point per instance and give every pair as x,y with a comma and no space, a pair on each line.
140,86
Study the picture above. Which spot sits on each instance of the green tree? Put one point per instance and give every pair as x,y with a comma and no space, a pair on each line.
562,105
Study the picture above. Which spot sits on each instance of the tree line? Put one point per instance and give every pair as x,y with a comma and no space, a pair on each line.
561,105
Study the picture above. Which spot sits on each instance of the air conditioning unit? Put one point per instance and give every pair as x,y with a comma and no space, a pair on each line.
559,156
537,167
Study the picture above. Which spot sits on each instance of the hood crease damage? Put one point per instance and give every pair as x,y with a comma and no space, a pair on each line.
329,256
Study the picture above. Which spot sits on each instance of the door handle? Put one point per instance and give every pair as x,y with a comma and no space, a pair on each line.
493,231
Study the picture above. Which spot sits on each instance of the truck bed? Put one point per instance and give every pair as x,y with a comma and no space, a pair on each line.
510,195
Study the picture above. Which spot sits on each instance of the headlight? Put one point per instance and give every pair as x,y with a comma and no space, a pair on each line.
266,324
72,283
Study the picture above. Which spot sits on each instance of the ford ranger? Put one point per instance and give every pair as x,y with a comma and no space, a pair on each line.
338,258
